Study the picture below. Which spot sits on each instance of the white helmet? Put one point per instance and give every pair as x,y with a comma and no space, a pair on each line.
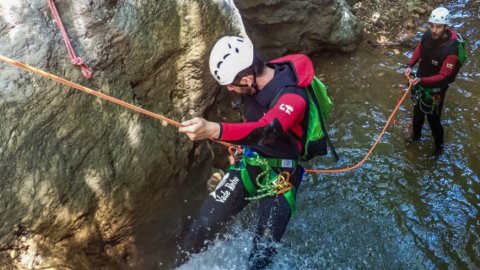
440,15
229,56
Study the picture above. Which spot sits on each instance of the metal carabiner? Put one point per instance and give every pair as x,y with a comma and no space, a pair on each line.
282,183
235,152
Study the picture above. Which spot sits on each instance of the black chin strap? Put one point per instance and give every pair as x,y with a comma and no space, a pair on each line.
254,84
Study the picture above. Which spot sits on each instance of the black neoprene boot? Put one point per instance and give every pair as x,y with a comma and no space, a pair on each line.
438,151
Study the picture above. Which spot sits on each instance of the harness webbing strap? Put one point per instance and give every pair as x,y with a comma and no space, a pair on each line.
291,200
428,98
247,182
281,163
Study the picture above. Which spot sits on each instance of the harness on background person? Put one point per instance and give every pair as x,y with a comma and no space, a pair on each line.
427,98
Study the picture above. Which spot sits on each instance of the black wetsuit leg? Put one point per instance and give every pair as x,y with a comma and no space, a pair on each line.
434,121
417,122
227,200
274,215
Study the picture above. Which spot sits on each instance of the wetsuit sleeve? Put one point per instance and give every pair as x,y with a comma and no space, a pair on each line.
416,55
446,70
286,114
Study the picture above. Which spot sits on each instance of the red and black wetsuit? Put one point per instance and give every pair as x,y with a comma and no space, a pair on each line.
438,59
438,67
265,132
265,129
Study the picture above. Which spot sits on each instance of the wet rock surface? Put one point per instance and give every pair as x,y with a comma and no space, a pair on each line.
80,177
278,27
393,23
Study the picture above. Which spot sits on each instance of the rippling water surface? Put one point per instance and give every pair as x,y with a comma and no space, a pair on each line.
402,209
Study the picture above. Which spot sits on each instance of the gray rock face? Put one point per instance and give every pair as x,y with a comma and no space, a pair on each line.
278,27
77,174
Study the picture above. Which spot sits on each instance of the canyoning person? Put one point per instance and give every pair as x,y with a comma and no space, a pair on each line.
269,152
437,54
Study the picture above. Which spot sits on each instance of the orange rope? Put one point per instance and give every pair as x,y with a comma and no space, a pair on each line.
392,115
398,99
177,124
92,92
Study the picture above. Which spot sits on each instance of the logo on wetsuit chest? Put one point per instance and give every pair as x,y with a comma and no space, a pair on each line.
286,108
434,62
221,194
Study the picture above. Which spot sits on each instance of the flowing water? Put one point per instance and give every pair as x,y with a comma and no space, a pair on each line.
403,209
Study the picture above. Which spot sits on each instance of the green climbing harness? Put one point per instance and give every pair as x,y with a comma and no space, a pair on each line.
428,99
269,182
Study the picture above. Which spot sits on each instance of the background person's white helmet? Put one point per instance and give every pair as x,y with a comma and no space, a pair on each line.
440,15
229,56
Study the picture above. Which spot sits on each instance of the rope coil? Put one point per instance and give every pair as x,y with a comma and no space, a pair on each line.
269,183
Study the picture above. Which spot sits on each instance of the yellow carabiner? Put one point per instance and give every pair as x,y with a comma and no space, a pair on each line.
283,184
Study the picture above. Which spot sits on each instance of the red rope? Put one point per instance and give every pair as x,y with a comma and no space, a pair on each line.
86,71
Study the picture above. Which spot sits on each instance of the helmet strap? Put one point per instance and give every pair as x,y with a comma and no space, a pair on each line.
254,84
